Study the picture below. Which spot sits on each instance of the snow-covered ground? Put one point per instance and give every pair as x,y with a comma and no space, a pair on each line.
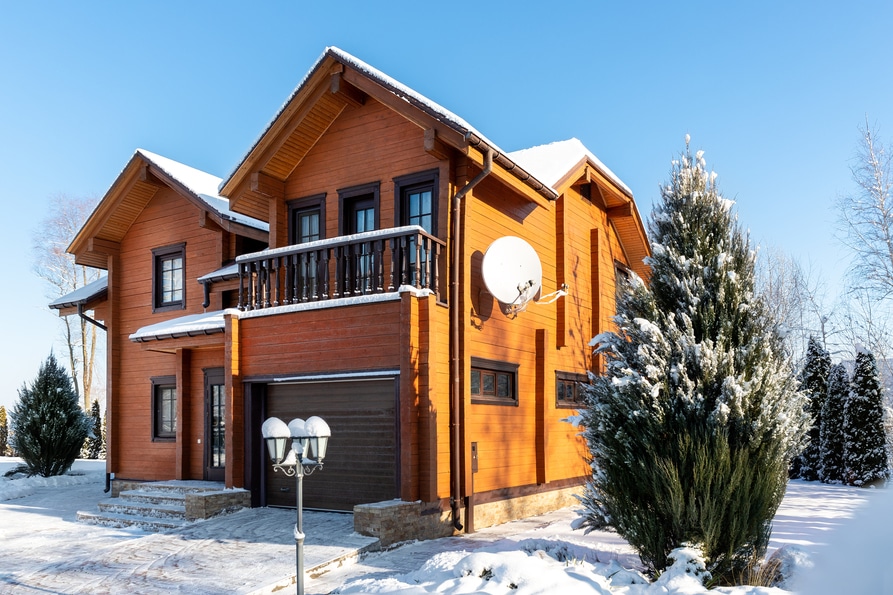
839,536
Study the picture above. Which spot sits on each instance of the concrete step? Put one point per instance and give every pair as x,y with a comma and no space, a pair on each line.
123,506
161,506
111,519
149,496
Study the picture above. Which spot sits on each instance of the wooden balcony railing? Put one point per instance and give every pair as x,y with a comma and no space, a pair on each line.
361,264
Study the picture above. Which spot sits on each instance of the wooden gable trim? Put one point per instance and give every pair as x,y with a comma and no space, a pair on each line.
319,84
417,116
106,226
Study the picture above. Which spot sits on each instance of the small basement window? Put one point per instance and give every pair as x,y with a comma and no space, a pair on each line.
494,382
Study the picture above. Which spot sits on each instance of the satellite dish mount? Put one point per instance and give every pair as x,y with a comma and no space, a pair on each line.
513,274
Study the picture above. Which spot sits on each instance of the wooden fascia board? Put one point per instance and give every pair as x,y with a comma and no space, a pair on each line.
171,344
412,113
509,179
122,185
207,210
279,130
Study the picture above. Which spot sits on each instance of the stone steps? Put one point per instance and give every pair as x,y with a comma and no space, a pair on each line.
165,506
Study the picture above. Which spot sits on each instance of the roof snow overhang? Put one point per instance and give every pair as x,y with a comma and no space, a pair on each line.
83,298
567,164
339,81
144,175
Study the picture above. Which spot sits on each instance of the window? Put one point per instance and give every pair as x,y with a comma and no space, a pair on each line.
164,408
168,273
568,392
493,382
307,219
622,273
416,196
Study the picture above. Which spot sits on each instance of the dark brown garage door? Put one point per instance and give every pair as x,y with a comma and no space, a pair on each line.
361,462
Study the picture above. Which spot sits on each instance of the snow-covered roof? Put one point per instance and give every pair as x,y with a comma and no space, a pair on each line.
551,162
545,164
82,295
206,323
409,95
203,186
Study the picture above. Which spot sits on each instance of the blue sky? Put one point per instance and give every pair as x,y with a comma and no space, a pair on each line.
773,92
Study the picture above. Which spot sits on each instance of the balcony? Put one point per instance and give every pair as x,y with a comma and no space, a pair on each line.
368,263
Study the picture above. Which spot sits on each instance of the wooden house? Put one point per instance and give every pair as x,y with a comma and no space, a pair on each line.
337,272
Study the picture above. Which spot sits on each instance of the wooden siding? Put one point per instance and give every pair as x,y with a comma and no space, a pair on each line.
364,145
167,219
329,340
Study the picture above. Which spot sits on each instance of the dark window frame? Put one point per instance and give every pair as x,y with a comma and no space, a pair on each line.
159,256
353,194
316,202
572,381
498,369
159,385
403,185
622,272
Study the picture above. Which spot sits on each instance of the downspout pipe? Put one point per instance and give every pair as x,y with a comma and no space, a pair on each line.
88,319
108,476
455,357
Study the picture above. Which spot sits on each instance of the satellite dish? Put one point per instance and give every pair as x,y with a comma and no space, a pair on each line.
512,272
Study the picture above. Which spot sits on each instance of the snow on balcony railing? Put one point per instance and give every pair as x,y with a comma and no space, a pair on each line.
360,264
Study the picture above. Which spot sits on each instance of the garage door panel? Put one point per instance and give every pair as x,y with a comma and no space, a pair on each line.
361,461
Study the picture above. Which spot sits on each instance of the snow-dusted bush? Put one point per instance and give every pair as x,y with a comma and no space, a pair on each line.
865,449
48,425
694,422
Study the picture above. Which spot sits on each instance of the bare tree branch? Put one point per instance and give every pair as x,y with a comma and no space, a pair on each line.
54,265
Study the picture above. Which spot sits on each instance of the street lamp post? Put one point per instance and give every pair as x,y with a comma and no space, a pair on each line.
310,438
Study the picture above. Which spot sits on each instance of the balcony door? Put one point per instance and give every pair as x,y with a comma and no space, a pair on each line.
359,214
416,196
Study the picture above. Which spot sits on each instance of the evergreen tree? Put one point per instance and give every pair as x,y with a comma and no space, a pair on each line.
694,422
4,432
865,442
93,448
48,424
832,440
814,383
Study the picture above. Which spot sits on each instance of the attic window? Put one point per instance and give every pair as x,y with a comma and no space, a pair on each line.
586,191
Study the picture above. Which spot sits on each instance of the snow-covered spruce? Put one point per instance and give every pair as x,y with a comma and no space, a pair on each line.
832,439
865,450
48,425
695,420
814,383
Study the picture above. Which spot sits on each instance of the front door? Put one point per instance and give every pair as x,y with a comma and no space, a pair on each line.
215,425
